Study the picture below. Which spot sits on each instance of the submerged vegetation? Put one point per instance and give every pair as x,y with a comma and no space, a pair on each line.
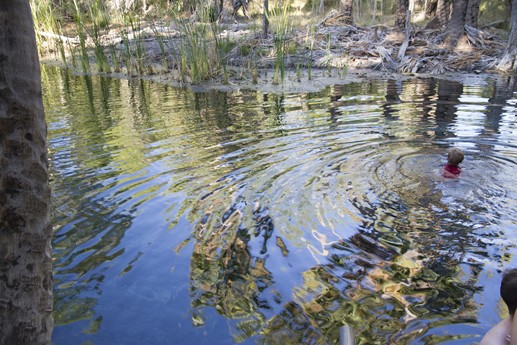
191,41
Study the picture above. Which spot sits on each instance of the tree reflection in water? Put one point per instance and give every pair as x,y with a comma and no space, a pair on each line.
290,214
397,277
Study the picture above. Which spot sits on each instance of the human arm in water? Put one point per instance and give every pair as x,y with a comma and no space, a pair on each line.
498,335
513,336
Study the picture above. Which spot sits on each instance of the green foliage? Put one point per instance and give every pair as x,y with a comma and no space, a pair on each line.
497,12
47,20
82,34
202,51
309,41
98,14
244,50
281,25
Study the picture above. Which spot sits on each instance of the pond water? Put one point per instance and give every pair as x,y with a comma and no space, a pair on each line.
245,217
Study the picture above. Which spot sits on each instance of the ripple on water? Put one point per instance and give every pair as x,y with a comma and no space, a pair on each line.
279,213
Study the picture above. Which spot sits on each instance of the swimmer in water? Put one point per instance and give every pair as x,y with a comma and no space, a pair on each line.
452,168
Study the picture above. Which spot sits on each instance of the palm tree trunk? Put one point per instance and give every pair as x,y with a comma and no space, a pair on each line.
443,12
402,8
512,37
25,231
430,8
509,60
472,15
456,26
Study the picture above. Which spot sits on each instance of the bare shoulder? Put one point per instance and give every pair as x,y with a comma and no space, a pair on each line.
498,335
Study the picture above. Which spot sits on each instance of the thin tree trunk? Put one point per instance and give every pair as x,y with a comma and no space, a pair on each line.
456,26
402,8
512,37
430,8
509,60
265,23
443,12
471,18
25,231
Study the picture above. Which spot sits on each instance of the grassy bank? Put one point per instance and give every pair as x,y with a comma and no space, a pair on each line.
190,47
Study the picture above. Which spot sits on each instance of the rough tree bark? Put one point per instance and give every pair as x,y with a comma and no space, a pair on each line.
456,26
402,8
25,231
512,37
443,12
265,19
471,18
509,60
430,8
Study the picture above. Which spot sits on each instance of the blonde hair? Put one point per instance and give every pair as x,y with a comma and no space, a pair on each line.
455,156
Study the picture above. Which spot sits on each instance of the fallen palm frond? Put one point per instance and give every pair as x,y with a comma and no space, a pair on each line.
483,40
435,66
335,18
464,62
387,62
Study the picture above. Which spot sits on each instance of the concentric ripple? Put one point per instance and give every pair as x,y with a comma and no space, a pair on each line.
241,217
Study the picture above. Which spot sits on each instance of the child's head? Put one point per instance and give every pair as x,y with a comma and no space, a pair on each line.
455,156
509,289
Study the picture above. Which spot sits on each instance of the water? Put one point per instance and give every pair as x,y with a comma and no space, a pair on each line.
243,217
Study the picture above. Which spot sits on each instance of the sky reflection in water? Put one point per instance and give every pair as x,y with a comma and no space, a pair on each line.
215,218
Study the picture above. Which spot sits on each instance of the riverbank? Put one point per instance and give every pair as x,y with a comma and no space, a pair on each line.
306,57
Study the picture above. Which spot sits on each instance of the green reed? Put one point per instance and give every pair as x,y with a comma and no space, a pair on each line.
202,51
114,58
80,23
133,43
329,57
310,38
139,43
127,52
282,27
99,18
48,21
163,49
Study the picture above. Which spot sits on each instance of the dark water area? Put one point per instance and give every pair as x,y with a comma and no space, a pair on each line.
245,217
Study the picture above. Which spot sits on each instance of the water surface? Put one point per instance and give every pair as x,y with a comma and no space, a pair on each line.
244,217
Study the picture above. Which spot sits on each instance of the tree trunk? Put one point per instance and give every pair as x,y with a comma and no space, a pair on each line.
25,231
265,23
512,37
402,8
456,26
443,12
508,61
471,18
430,8
346,9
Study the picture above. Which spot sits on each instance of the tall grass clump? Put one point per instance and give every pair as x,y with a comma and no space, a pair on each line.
47,21
100,20
329,57
133,41
202,50
163,48
282,26
309,40
80,22
139,43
